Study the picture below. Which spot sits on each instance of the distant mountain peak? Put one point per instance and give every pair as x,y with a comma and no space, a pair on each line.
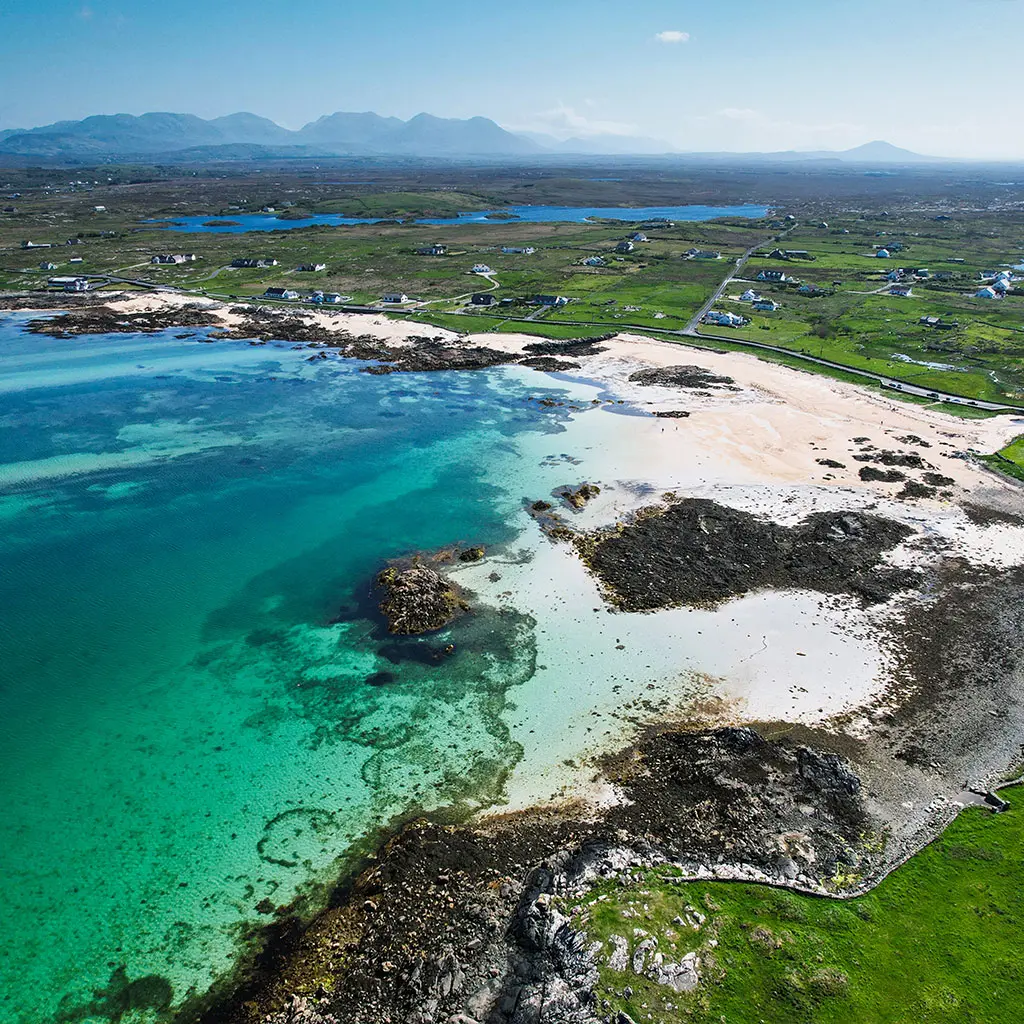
880,150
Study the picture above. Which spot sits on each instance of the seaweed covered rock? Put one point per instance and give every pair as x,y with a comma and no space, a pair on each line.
580,496
694,377
697,552
418,600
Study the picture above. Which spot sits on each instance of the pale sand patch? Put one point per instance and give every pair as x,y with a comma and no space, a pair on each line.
396,332
772,426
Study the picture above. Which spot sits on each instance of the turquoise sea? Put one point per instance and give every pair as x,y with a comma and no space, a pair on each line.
200,716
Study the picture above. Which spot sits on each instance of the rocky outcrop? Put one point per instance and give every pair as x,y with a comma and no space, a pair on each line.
578,497
108,320
695,378
418,600
697,552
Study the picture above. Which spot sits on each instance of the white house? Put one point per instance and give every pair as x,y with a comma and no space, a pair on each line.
1001,285
311,268
70,284
986,293
593,261
638,236
175,258
766,306
47,266
724,319
395,297
882,254
481,268
281,293
749,296
516,250
624,246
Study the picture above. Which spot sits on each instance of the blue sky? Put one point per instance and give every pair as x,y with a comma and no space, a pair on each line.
937,76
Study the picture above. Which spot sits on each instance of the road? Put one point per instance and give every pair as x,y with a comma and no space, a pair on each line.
890,383
691,327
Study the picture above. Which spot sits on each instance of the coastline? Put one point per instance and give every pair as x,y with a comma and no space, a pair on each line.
756,449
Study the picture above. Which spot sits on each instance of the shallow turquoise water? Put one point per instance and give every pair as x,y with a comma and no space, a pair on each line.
188,736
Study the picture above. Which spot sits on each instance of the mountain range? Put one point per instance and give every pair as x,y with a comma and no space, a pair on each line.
182,137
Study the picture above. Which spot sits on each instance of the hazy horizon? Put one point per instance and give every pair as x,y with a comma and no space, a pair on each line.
751,79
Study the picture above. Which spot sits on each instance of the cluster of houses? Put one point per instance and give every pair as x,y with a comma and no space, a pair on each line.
758,302
937,323
169,259
722,318
247,263
319,298
902,274
999,284
628,245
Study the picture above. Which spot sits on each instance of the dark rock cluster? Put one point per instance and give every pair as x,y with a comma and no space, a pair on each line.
697,552
418,600
463,923
691,377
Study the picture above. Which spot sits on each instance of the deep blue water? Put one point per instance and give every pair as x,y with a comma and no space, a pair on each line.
534,214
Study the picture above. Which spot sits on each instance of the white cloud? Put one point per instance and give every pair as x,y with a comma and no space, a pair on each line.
565,122
672,36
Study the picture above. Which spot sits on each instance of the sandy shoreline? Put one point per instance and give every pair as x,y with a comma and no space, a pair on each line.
756,445
826,669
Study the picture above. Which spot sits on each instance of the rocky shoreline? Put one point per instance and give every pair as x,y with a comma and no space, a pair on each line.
419,353
463,922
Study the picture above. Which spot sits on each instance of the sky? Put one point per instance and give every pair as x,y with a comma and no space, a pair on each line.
935,76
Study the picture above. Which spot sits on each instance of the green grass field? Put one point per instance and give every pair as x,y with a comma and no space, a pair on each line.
654,287
1010,460
937,942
